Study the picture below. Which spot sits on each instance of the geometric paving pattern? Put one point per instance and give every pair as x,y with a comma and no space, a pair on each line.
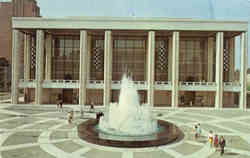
43,132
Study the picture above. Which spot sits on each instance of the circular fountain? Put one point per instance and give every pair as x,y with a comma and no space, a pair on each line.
128,124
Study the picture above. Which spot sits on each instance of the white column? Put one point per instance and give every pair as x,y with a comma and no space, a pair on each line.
16,46
219,70
83,66
175,69
39,65
48,57
27,54
232,57
243,70
89,58
170,60
151,67
107,67
210,59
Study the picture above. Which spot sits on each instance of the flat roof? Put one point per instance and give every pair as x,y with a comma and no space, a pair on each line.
128,23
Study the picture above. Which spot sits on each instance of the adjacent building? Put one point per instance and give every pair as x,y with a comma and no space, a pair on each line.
173,62
9,9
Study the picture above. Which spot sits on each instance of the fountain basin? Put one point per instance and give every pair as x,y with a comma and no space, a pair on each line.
168,133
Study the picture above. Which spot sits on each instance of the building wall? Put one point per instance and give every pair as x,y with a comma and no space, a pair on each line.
5,29
16,8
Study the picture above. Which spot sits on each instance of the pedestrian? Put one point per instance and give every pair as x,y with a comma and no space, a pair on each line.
70,116
91,107
210,138
198,130
222,145
195,132
58,101
61,105
216,141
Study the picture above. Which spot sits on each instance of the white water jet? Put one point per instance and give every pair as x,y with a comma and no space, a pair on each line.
128,117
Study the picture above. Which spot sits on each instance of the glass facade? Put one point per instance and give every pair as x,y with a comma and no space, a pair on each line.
65,57
192,60
129,55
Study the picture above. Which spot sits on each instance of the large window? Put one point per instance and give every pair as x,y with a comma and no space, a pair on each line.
192,60
65,57
129,55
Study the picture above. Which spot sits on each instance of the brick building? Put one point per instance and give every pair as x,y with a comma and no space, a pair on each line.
9,9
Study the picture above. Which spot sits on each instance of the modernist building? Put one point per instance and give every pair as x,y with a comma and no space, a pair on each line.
173,62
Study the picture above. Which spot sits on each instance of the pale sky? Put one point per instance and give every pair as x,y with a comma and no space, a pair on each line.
199,9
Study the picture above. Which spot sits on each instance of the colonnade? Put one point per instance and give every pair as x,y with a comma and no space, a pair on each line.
85,43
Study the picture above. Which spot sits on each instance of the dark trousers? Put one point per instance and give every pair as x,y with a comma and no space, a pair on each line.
222,151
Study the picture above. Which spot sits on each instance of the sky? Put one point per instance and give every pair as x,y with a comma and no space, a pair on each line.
198,9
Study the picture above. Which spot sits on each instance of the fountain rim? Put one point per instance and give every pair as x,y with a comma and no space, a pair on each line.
86,131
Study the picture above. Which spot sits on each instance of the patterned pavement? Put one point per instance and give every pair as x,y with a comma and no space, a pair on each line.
43,132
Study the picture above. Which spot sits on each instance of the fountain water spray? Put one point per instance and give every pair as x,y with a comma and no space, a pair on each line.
128,117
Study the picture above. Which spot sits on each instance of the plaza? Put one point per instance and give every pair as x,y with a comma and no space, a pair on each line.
184,68
43,132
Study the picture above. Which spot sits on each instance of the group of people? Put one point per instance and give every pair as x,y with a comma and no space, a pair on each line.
216,142
213,139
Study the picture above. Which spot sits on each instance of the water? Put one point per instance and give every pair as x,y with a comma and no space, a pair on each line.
128,117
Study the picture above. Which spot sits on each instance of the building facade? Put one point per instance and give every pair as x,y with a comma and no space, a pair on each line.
4,75
9,9
173,62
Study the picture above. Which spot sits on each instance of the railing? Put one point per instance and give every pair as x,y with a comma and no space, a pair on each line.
163,85
138,84
163,82
197,86
30,83
61,81
197,83
29,80
232,86
68,84
95,84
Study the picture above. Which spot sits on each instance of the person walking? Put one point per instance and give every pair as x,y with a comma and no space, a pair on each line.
210,138
216,141
61,105
70,116
222,145
198,130
195,132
